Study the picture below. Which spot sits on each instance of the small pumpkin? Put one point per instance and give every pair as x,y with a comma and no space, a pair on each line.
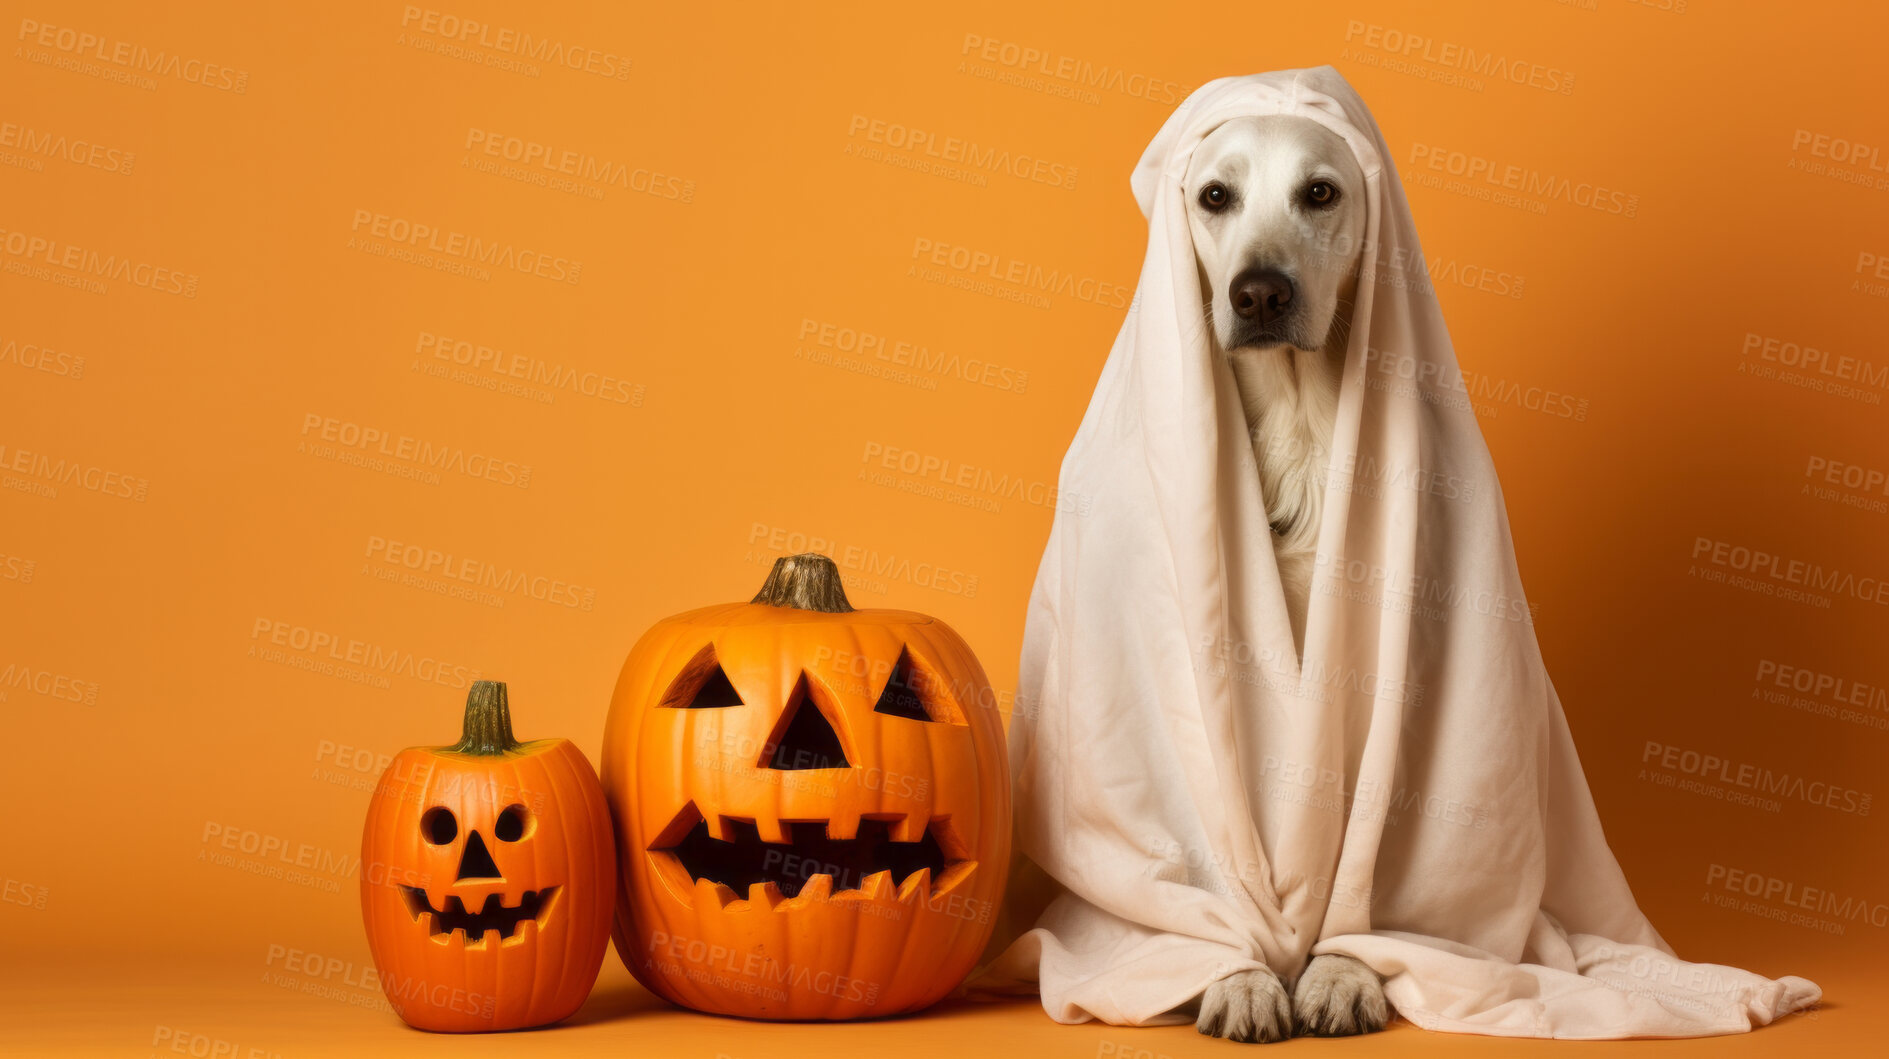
812,805
487,876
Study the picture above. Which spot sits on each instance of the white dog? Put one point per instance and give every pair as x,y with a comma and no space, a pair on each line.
1276,207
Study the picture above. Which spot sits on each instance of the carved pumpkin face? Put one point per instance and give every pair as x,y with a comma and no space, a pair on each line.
812,805
487,877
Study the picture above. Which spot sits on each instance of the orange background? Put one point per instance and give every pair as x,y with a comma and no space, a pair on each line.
756,204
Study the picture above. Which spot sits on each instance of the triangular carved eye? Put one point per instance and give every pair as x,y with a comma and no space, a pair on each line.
915,693
701,685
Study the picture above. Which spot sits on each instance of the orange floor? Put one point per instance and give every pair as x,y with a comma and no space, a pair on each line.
146,1006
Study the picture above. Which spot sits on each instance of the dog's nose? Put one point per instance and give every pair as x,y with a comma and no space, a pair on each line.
1261,293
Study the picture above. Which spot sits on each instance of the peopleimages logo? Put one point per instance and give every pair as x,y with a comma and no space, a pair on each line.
1523,180
50,684
726,965
1791,572
35,357
925,468
959,151
1797,895
527,369
1417,590
78,151
15,568
906,354
42,474
577,165
865,561
513,42
1837,149
1429,379
1066,70
1838,366
308,644
1001,268
426,561
1758,779
137,58
419,236
56,253
371,447
1822,685
1450,55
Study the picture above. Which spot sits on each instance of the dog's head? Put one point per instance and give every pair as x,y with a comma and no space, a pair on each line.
1276,207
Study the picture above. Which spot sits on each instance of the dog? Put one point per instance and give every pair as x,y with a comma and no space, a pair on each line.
1276,210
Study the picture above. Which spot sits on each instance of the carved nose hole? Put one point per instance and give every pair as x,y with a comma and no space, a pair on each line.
806,740
476,862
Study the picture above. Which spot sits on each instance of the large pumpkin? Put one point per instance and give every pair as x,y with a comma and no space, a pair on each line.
811,802
487,876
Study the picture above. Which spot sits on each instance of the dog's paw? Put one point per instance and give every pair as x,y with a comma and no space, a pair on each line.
1338,996
1246,1006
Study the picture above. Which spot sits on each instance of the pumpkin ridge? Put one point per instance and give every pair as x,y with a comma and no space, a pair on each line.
562,968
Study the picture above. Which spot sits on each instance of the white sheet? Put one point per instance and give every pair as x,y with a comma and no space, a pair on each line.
1410,795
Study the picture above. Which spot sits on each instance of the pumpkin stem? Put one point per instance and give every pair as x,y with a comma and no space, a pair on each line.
809,581
488,727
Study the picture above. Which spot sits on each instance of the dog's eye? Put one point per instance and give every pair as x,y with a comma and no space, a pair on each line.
1214,197
1321,193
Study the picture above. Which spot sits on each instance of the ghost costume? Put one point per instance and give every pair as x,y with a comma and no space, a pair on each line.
1407,792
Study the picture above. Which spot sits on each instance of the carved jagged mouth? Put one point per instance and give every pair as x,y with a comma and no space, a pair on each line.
887,857
495,915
